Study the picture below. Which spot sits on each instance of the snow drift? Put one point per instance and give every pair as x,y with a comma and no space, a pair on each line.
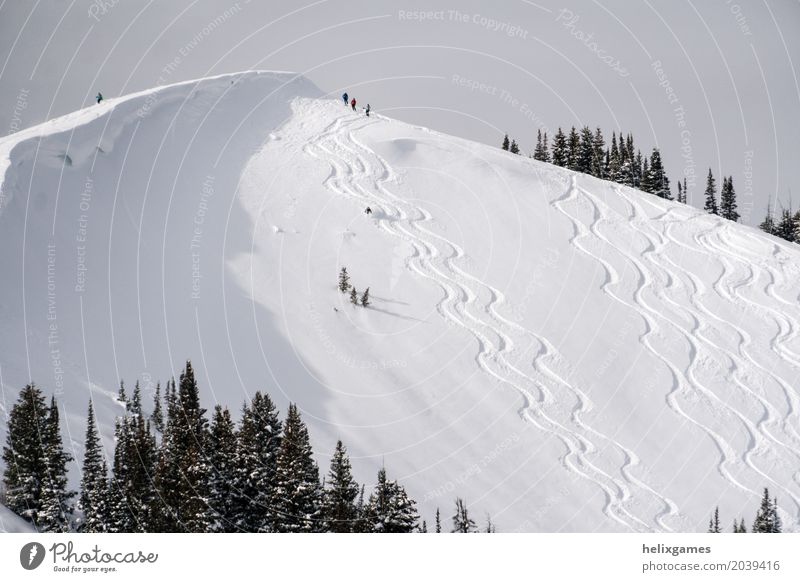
565,353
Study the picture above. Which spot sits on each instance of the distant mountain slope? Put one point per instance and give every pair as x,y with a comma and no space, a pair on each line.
565,353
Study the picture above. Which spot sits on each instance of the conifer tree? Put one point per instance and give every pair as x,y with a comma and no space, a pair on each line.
24,454
438,521
585,161
361,525
490,527
56,510
711,195
680,193
545,149
344,280
767,520
340,492
131,496
768,225
424,528
796,221
505,143
297,489
94,480
390,510
598,163
713,523
614,161
365,298
573,147
182,472
157,418
740,527
136,400
727,200
785,228
659,183
462,522
645,184
540,151
353,296
121,396
560,154
222,476
513,148
685,191
259,440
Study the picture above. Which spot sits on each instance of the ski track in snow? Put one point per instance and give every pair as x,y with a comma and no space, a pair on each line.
686,382
361,175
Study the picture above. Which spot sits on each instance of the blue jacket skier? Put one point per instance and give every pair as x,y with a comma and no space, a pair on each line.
344,98
367,109
99,97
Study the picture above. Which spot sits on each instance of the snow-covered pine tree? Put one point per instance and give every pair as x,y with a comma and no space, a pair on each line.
796,220
505,145
344,280
711,195
727,200
785,228
614,162
122,396
353,296
573,148
424,527
586,151
659,182
639,171
540,151
490,527
685,191
645,184
462,522
360,525
768,224
258,443
94,480
713,523
680,193
741,528
765,516
56,512
513,148
24,456
365,298
132,496
297,489
222,474
341,490
136,399
545,149
598,159
157,418
182,471
560,154
438,521
390,510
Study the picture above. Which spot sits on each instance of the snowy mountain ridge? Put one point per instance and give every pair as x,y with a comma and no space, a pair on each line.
566,353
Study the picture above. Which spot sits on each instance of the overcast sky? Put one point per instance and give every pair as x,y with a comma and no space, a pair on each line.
717,78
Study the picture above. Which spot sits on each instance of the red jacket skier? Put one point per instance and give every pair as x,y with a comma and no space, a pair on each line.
353,103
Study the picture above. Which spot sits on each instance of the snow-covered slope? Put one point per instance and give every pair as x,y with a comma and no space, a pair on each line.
564,353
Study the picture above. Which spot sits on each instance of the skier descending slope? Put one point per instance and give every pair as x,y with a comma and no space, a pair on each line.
367,109
99,97
353,103
344,98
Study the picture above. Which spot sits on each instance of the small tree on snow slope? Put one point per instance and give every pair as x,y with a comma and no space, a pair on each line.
365,298
344,280
353,296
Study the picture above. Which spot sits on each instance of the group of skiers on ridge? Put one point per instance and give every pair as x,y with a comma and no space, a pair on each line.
352,103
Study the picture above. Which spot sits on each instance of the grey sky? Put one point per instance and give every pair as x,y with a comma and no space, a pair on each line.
470,68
